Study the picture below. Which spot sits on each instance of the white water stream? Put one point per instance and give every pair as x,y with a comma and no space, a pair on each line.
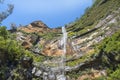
58,72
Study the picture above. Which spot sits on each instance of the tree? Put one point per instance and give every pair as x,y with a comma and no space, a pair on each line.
13,27
3,32
6,13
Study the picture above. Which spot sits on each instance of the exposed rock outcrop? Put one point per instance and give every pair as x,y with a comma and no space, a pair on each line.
35,27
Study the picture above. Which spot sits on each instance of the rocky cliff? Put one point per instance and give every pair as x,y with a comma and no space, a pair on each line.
92,47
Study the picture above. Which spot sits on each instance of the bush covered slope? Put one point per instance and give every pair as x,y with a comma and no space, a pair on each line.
96,38
99,10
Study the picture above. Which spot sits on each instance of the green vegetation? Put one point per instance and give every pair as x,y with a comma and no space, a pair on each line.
70,34
12,48
48,36
36,58
3,32
110,48
8,46
84,58
12,52
77,61
93,15
108,51
115,75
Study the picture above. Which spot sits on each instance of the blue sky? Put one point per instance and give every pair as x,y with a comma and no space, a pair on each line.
54,13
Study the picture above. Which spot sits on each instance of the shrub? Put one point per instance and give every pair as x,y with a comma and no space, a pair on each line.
115,75
3,32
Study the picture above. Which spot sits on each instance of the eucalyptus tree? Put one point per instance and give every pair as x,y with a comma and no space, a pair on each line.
4,14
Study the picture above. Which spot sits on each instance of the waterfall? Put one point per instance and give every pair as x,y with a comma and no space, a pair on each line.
63,57
58,72
63,43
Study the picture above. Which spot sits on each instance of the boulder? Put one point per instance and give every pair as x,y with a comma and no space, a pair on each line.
38,73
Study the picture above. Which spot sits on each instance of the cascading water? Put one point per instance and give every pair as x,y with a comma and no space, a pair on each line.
58,71
63,57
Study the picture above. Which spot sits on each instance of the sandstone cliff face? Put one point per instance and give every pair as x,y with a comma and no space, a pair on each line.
35,27
32,34
54,48
82,60
79,45
38,27
104,28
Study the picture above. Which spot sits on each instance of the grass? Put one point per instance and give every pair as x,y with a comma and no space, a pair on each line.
81,59
93,15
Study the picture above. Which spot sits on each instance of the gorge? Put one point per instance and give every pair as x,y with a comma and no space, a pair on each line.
86,49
